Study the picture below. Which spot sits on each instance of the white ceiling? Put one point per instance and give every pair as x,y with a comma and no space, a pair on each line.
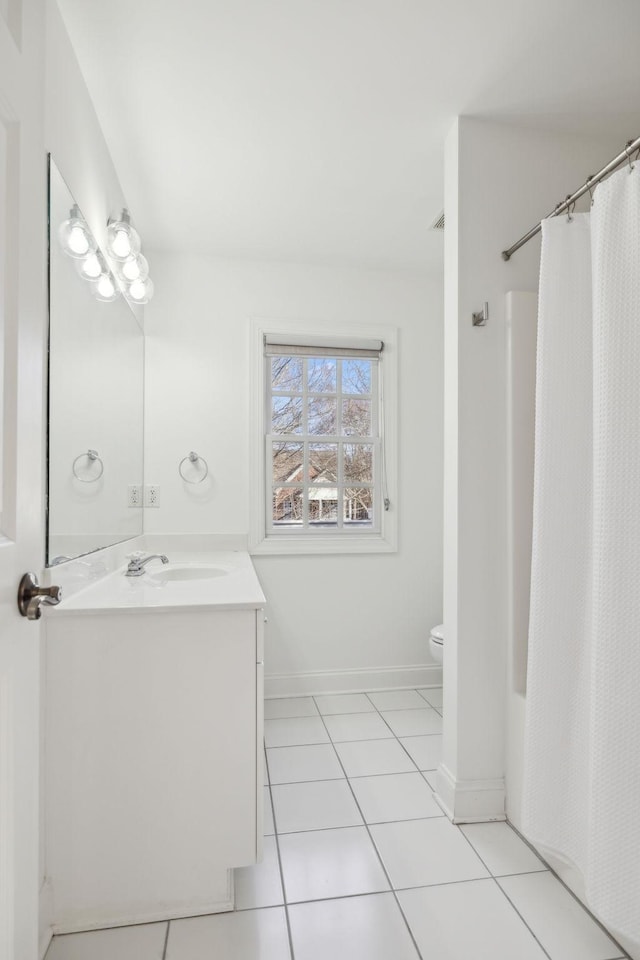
312,130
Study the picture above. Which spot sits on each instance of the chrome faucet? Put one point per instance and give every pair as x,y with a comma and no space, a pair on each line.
137,564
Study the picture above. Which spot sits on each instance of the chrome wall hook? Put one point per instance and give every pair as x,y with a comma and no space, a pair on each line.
480,319
628,152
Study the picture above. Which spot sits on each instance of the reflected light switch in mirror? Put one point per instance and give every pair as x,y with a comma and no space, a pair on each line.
134,495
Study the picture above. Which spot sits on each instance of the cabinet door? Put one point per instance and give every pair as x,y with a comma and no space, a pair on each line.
152,784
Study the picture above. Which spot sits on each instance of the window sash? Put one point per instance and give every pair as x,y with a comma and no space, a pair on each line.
308,526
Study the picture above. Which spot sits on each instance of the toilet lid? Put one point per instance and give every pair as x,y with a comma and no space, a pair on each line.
437,634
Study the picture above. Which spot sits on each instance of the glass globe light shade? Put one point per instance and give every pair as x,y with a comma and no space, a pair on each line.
75,237
135,268
123,240
105,288
91,268
140,291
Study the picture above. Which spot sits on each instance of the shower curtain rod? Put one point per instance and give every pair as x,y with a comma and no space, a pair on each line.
624,157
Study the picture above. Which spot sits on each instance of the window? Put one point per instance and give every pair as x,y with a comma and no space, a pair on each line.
322,469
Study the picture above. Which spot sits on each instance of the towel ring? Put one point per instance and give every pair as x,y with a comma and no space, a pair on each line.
93,458
193,458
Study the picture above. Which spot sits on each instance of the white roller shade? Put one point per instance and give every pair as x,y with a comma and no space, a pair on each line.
307,346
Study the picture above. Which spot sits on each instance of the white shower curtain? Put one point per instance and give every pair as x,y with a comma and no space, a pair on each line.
582,742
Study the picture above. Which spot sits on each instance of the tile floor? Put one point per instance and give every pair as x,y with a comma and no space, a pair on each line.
361,864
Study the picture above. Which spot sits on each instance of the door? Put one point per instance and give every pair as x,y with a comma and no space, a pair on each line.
22,338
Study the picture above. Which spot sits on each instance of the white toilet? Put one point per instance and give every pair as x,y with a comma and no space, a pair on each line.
436,642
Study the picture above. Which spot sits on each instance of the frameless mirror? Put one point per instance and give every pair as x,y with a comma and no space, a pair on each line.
96,370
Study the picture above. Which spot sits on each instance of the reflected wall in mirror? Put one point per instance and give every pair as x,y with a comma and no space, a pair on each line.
96,371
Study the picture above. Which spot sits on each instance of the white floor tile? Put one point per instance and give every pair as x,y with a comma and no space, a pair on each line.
355,928
433,696
266,772
400,796
252,935
357,726
260,886
294,731
370,757
425,750
562,926
344,703
145,942
269,828
396,699
430,777
330,863
293,764
501,849
413,723
290,707
459,921
315,806
421,852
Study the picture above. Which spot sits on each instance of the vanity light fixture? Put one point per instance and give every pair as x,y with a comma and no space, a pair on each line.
140,291
135,268
90,267
106,289
131,267
75,237
123,240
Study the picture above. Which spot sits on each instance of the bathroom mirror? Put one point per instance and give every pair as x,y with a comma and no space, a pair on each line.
96,371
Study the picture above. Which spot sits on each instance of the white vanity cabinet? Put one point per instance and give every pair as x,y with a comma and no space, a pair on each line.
154,761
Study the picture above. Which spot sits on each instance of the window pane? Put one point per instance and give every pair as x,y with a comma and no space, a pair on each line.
286,415
356,417
286,374
356,376
287,462
322,375
322,416
323,462
358,506
323,506
287,505
358,462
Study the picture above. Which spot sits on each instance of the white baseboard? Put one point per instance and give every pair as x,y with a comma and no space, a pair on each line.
470,801
175,911
352,681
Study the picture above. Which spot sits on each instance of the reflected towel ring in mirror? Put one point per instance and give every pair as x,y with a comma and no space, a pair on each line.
92,456
193,458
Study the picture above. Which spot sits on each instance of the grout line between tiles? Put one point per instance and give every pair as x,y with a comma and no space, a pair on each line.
623,954
281,872
350,826
486,866
381,861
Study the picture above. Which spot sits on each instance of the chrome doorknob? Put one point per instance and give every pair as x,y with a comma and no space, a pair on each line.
31,595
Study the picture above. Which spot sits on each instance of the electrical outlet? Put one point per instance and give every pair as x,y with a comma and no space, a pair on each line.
134,495
151,495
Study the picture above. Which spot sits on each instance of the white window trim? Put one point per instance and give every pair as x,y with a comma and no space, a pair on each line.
387,539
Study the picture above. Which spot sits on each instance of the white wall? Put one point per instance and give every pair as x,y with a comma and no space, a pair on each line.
499,180
340,615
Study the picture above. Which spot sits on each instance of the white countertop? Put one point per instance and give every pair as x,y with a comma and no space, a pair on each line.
234,587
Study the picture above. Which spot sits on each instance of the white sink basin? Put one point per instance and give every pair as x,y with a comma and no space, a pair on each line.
188,572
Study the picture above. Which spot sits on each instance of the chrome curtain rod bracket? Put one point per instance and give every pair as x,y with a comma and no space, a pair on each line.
567,205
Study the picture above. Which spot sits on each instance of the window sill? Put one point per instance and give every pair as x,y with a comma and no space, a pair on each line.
321,546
